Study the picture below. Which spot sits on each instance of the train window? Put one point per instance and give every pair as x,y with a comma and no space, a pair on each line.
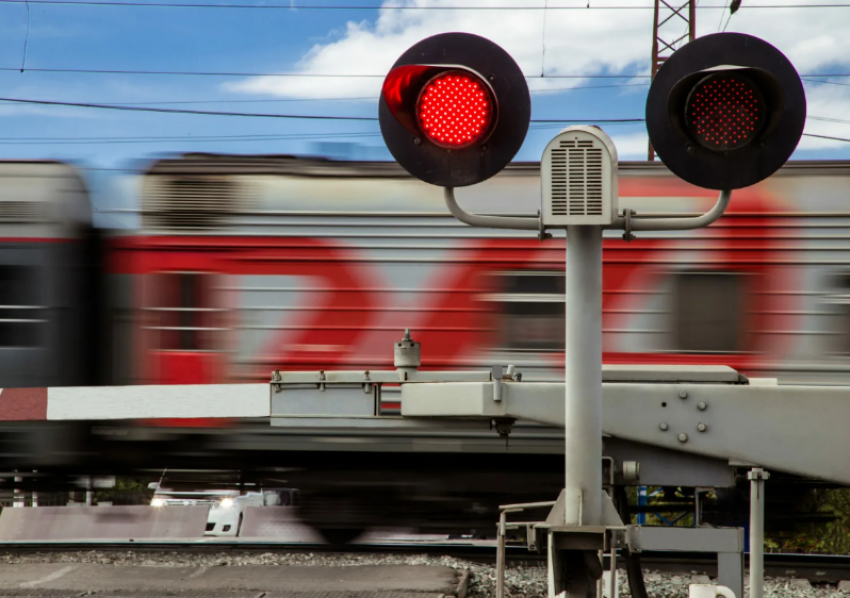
186,312
20,313
532,311
838,299
708,310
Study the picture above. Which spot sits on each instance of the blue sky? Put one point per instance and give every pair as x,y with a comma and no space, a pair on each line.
576,42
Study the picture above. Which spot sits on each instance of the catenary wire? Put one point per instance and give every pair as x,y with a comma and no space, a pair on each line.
293,7
132,108
375,99
826,137
208,138
17,69
226,138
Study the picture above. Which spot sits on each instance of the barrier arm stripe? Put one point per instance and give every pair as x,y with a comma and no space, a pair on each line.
157,402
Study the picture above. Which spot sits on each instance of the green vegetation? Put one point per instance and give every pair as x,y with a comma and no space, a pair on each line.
831,537
127,491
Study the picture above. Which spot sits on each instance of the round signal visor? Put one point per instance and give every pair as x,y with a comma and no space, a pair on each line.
455,109
725,111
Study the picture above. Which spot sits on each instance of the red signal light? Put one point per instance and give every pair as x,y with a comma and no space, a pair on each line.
454,109
725,111
441,109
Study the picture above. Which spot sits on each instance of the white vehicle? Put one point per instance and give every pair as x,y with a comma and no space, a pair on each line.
227,507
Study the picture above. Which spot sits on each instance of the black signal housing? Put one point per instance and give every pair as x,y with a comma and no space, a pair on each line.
486,116
744,125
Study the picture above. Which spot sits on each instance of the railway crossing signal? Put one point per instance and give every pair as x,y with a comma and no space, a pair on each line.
725,111
454,109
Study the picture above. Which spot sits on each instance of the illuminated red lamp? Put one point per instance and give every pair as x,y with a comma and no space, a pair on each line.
725,111
455,110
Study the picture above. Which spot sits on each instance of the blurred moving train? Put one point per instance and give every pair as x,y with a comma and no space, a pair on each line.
243,264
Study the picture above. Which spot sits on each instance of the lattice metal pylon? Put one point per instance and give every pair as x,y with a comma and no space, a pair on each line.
667,35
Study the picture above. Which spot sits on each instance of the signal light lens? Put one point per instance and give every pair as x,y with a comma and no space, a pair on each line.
725,111
454,110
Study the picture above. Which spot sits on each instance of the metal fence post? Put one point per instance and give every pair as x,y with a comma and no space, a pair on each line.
500,556
757,476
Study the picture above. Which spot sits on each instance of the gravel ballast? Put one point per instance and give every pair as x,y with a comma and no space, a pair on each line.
521,582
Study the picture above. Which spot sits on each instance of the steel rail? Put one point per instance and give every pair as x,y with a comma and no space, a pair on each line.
814,567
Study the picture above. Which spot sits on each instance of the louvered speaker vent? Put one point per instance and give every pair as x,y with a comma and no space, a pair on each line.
23,211
190,204
576,179
578,173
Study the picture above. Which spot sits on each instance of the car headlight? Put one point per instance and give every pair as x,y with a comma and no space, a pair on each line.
157,502
226,503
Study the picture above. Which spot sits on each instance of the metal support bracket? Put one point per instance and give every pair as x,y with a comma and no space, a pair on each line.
627,221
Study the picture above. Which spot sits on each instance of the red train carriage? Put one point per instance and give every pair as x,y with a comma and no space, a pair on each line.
248,263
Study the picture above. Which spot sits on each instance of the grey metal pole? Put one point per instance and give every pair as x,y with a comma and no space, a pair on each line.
757,476
583,401
500,557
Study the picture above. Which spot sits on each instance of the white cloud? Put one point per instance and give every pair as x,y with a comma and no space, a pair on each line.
577,42
572,46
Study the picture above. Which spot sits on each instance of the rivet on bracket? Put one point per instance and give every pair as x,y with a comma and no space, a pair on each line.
682,437
702,427
663,427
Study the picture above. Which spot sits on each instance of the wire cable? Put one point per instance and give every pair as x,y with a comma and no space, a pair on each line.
297,7
322,75
135,108
132,108
294,75
826,137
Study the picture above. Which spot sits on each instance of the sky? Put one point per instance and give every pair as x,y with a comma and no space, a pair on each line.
570,53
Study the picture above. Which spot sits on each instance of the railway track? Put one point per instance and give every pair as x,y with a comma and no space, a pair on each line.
817,568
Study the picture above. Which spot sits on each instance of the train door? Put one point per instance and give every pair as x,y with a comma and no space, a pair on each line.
24,320
185,328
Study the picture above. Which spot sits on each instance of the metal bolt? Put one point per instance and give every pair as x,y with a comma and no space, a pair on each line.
702,406
683,437
416,141
664,427
683,394
702,427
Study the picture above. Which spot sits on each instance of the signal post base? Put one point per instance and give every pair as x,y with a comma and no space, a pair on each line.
574,554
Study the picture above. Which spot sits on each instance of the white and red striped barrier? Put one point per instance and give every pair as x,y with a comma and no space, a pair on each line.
135,402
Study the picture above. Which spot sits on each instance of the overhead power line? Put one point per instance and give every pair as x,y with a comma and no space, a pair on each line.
826,137
294,7
136,108
294,75
200,138
131,108
325,75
